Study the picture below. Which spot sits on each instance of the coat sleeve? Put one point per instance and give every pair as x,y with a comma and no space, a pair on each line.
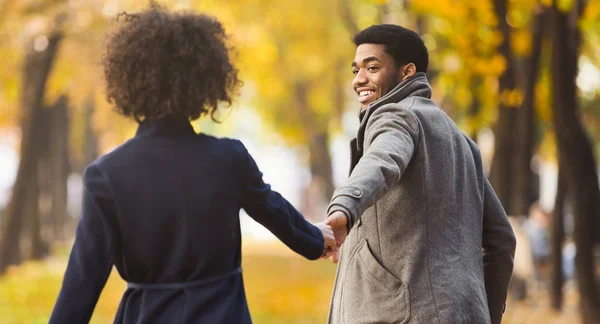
499,245
93,252
274,212
390,137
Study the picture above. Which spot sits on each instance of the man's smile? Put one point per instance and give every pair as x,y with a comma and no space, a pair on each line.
366,95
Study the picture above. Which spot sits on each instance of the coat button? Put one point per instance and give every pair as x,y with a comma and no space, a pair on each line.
356,192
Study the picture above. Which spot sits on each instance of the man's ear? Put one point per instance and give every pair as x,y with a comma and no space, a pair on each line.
408,70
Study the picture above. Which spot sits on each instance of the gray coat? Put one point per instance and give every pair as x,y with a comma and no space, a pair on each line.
421,212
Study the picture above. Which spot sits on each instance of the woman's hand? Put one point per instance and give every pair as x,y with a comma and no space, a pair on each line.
329,240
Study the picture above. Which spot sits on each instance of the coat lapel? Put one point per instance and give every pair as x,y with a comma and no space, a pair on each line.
355,155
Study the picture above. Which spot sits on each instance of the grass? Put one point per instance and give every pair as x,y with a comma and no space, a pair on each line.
281,288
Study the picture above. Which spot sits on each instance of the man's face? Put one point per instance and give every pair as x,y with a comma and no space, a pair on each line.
375,73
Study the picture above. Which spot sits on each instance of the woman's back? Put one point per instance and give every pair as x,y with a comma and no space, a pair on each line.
164,206
177,199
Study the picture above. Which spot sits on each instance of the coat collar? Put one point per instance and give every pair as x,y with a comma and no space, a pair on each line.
417,86
174,125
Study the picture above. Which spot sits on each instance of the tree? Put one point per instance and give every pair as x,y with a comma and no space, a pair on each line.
575,150
523,191
55,166
504,139
464,59
293,62
23,203
558,237
90,140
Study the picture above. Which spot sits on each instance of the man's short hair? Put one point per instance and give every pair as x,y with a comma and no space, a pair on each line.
404,45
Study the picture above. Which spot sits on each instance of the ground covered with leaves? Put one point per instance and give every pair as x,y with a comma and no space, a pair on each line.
281,288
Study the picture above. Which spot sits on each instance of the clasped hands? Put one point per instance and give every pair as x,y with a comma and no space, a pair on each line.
334,229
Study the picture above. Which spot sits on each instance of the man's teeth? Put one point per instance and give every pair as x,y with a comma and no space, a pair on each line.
365,93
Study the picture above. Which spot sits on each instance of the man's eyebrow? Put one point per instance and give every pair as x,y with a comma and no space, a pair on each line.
366,60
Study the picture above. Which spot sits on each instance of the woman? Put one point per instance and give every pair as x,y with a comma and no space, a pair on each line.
164,206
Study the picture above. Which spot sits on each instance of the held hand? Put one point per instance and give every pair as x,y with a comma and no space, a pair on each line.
338,222
329,239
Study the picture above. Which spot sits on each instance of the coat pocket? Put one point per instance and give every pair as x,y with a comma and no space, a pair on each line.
371,294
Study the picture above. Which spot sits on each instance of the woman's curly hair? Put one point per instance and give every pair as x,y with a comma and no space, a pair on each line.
161,63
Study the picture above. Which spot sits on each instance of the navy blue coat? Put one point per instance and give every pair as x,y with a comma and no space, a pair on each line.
164,209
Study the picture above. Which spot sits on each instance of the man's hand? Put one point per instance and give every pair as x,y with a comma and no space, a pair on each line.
329,239
338,222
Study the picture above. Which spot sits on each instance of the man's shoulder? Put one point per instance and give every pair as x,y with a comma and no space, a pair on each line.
416,107
401,111
421,104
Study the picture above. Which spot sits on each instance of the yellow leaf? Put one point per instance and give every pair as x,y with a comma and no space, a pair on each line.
564,5
497,64
516,97
462,96
521,42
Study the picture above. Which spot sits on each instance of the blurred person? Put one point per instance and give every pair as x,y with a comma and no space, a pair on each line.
164,206
537,227
524,269
418,209
569,251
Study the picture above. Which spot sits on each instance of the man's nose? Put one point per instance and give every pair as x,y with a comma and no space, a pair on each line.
359,79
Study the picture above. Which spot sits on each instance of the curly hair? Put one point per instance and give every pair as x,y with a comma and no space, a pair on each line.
161,63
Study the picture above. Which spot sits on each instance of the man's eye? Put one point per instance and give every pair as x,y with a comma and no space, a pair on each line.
354,71
372,68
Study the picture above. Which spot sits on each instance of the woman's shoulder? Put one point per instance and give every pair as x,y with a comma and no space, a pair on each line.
111,155
226,143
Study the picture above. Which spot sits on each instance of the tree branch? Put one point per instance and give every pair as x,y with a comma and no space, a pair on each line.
347,17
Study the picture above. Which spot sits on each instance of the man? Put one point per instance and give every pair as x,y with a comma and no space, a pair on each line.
418,209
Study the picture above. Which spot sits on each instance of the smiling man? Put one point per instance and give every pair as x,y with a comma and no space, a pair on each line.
418,210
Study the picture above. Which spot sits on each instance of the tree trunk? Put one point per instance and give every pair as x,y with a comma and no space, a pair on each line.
501,174
339,95
347,17
39,247
59,166
474,109
320,158
320,189
523,190
90,139
43,134
37,67
576,149
420,29
37,212
558,237
320,162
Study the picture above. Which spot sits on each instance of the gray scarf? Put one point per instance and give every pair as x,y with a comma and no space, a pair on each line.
415,86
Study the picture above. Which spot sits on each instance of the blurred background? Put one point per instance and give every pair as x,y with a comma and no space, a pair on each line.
521,77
